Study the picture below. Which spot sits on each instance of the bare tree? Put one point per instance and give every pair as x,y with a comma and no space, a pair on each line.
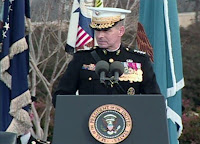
48,60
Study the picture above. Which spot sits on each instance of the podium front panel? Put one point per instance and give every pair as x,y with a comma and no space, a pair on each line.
148,114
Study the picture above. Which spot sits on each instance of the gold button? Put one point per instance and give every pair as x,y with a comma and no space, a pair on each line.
127,49
111,60
90,78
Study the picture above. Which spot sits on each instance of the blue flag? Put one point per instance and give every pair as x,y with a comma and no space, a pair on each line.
160,20
15,95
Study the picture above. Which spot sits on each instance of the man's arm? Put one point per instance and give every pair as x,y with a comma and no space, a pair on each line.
69,82
149,84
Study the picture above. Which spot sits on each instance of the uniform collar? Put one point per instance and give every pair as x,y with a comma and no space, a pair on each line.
117,51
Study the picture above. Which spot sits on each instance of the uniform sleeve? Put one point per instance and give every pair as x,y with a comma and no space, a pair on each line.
149,84
68,84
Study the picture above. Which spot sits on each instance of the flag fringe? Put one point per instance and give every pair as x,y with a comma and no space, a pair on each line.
20,102
18,127
21,120
18,47
5,64
5,76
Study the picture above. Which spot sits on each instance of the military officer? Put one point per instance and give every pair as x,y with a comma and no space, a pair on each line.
138,76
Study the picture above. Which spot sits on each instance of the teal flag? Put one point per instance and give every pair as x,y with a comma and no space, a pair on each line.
160,20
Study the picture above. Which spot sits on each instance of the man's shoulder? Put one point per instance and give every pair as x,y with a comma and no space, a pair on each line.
87,51
136,52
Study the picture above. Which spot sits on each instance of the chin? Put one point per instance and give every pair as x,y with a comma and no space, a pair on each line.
104,47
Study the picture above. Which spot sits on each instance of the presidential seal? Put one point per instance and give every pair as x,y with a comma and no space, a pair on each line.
110,124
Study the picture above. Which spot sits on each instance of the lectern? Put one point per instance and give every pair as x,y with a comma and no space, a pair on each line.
124,119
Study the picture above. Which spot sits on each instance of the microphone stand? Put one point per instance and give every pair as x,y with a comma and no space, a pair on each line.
114,82
117,85
119,88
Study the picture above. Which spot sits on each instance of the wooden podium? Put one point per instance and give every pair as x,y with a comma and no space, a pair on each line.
95,119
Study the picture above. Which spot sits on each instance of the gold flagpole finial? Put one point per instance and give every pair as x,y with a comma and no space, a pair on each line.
98,3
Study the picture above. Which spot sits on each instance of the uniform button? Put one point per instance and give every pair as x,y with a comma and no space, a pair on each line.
111,60
90,78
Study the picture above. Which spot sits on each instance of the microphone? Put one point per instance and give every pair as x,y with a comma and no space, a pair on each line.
101,69
117,69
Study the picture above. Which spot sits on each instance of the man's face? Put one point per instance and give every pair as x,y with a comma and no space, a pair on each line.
110,39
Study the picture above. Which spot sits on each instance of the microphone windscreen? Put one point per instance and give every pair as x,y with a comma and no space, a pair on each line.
102,66
117,66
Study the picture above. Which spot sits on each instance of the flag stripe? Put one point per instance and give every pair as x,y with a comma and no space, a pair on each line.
80,37
170,46
86,40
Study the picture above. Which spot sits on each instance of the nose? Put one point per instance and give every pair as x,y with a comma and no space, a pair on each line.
99,34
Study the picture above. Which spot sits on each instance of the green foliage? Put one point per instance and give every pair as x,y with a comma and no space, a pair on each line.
191,93
191,122
191,66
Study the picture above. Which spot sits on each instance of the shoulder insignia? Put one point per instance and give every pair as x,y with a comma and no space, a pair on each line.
135,51
140,52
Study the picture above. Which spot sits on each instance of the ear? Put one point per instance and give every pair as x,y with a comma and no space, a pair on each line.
121,31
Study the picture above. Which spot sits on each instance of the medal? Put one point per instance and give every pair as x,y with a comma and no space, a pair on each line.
131,91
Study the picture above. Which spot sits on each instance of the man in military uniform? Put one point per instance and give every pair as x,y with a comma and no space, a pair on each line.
138,76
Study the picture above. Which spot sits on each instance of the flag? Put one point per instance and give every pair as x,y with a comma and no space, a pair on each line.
80,35
160,20
15,95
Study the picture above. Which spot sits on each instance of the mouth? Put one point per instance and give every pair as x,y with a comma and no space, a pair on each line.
102,42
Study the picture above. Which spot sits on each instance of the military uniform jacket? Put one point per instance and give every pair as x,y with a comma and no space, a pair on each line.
138,77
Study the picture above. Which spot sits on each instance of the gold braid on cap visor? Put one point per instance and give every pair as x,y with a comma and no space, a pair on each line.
104,22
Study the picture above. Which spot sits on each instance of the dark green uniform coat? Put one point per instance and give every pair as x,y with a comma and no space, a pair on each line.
80,74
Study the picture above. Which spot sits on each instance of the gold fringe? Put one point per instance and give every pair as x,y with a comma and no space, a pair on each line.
21,120
5,64
18,127
18,47
20,102
6,78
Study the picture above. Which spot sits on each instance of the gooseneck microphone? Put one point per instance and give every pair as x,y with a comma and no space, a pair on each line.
117,69
101,69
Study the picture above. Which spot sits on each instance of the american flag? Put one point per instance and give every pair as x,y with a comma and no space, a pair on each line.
85,34
80,35
14,92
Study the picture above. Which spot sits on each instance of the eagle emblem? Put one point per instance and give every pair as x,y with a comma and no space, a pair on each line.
110,124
